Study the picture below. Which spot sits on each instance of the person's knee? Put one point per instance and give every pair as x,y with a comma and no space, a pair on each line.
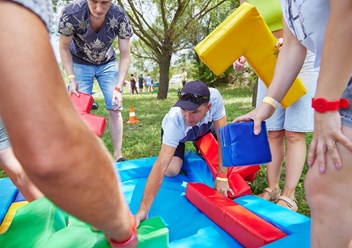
276,135
172,171
293,137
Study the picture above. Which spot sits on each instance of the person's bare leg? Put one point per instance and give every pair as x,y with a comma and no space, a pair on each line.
330,201
174,167
14,171
273,169
295,158
116,131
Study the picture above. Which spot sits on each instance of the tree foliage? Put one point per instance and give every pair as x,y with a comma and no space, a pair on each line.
166,27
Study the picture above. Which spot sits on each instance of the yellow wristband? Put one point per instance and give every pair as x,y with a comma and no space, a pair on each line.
71,76
222,179
271,101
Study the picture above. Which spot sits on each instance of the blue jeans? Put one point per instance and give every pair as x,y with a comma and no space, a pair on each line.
105,74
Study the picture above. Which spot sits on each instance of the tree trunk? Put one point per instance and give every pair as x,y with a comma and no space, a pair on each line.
164,68
254,95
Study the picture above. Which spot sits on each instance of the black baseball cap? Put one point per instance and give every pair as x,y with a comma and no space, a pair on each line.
192,95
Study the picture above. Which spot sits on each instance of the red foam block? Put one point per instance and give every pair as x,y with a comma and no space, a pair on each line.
244,226
83,102
208,147
96,123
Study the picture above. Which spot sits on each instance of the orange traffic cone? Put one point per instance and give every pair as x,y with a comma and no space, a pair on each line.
133,118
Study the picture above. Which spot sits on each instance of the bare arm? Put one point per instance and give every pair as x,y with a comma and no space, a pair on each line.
48,137
66,59
335,70
221,186
154,181
288,65
124,48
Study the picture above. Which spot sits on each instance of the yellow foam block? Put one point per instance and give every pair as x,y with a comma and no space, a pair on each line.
10,215
245,32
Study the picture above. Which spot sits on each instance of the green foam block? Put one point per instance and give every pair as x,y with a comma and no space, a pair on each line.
153,233
41,224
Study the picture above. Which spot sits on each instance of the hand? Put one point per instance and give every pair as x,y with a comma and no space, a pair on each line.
261,113
140,216
116,99
239,63
223,188
327,132
73,88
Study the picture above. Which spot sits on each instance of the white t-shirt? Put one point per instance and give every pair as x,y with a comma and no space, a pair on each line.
307,20
176,130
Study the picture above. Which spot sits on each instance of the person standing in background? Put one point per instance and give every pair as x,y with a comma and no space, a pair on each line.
87,31
184,77
290,124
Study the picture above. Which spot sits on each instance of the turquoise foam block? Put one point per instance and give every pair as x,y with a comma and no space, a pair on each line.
301,240
286,220
188,227
8,192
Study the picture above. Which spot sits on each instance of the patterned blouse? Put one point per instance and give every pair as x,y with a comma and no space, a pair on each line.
87,46
42,8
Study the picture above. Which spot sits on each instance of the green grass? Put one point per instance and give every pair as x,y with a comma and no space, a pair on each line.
143,139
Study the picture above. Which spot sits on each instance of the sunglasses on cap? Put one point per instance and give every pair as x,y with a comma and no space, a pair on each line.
192,97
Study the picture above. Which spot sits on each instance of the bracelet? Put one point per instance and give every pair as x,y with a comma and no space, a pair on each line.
118,89
322,105
271,101
71,76
222,179
222,175
113,243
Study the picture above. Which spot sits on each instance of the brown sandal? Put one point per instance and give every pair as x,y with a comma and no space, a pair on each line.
273,194
288,203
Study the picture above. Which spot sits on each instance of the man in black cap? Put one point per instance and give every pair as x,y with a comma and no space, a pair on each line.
189,119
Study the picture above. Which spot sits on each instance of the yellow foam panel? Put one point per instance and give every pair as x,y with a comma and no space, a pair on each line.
245,32
10,215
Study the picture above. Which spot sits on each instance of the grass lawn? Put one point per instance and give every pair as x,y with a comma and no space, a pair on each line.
143,139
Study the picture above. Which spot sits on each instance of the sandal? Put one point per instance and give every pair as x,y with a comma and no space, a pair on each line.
288,203
273,194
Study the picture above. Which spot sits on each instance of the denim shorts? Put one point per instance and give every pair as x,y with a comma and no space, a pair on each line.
346,114
106,75
299,117
4,139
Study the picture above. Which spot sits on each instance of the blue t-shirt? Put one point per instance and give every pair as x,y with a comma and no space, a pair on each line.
89,47
176,130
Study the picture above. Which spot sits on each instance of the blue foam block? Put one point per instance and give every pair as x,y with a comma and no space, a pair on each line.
288,221
19,197
8,193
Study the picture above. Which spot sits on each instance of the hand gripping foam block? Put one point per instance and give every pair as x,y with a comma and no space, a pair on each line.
96,123
208,147
244,226
245,32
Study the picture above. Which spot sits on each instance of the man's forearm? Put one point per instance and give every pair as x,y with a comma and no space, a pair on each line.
152,187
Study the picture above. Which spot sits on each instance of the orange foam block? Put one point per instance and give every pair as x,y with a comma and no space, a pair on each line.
244,226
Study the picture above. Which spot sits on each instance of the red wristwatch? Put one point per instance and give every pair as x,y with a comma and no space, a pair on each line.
113,243
322,105
118,89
